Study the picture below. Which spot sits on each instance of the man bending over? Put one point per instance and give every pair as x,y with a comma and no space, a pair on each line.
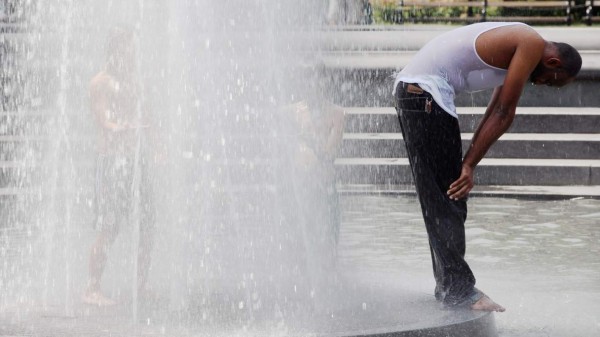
499,55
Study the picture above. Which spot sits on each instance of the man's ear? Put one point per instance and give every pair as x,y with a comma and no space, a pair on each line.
553,62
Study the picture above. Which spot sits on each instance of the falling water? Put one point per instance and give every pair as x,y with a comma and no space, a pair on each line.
243,225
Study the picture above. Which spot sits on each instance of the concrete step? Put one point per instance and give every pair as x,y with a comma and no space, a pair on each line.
373,88
510,145
392,48
527,119
396,60
19,149
12,28
507,191
361,65
30,175
15,203
16,175
490,171
568,133
536,133
32,122
81,147
411,37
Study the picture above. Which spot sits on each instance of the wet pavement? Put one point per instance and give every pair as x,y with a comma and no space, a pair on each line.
538,258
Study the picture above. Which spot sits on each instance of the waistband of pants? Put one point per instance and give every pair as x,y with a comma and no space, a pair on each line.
411,88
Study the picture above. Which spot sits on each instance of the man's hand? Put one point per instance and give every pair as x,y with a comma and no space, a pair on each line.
462,186
120,127
306,158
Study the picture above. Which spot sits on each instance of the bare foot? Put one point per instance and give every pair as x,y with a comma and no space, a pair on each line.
96,298
486,304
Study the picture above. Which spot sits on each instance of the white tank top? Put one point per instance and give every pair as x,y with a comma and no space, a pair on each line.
449,64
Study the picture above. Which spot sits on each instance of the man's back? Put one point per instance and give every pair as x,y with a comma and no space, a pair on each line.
459,61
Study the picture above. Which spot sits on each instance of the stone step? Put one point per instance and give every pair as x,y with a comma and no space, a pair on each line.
374,133
18,149
507,191
490,171
373,88
33,122
396,60
527,119
15,203
412,37
361,65
30,175
33,126
392,49
510,145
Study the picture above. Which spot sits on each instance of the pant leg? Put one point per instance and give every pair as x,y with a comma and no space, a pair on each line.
434,150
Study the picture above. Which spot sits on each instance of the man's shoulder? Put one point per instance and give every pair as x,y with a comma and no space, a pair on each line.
513,35
102,80
102,77
523,30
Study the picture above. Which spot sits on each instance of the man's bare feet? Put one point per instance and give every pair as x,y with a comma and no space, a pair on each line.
486,304
96,298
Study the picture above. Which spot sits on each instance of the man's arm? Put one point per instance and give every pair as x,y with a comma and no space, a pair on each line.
100,103
500,112
494,123
488,111
335,131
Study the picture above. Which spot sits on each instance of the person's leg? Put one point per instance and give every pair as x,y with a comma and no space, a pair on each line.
97,262
144,258
106,222
147,230
433,145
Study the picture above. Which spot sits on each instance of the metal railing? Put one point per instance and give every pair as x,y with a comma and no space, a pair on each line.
540,11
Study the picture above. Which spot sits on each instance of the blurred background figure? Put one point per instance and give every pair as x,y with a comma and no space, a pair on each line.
3,14
123,192
319,136
349,12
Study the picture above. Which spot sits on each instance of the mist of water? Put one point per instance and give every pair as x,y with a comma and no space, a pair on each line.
242,217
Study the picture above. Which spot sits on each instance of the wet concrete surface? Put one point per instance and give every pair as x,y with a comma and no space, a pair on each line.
538,258
366,310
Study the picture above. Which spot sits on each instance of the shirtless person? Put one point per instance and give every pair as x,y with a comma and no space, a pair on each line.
114,96
503,56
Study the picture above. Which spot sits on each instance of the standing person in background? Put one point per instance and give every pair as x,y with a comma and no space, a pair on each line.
349,12
115,104
492,55
317,128
320,131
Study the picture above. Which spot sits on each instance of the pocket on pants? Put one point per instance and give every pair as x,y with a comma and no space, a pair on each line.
417,104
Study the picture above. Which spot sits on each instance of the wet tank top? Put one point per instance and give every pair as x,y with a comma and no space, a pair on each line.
449,64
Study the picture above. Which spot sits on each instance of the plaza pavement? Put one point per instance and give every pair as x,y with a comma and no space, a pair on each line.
538,258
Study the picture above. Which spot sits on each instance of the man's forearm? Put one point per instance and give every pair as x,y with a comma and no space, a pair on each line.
491,128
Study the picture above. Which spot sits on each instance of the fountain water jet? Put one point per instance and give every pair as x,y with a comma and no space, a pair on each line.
244,237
